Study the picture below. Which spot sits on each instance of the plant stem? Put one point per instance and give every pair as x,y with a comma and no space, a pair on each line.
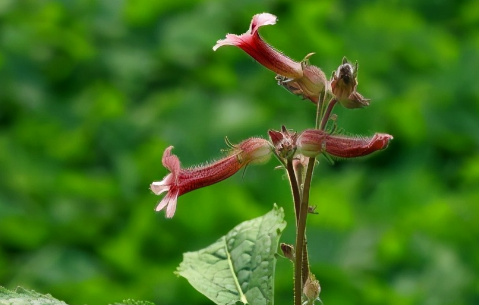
319,109
294,188
326,116
305,264
299,265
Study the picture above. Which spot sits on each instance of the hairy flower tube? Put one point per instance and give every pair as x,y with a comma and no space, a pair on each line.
312,142
181,181
301,78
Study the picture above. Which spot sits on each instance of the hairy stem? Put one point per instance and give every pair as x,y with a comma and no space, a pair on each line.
305,264
302,266
319,109
326,116
294,188
301,263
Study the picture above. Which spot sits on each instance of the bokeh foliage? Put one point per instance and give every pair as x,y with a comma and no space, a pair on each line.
92,92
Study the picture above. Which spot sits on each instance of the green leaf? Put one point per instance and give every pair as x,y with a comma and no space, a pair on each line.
239,267
134,302
21,296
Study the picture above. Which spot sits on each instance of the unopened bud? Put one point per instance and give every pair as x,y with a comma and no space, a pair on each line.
284,142
344,80
288,251
300,164
311,289
344,83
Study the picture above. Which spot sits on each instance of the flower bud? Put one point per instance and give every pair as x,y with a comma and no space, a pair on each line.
344,83
344,80
284,142
311,288
300,164
288,251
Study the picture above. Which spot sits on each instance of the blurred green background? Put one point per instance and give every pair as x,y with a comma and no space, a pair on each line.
92,92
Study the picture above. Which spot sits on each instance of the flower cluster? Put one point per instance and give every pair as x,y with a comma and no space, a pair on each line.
300,78
285,144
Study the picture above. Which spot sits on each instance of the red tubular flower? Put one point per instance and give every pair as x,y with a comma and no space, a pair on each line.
262,52
298,77
312,142
181,181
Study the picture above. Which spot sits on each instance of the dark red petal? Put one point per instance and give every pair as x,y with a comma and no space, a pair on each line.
275,136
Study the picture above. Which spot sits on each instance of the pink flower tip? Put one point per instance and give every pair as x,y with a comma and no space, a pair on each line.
258,21
252,43
168,184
